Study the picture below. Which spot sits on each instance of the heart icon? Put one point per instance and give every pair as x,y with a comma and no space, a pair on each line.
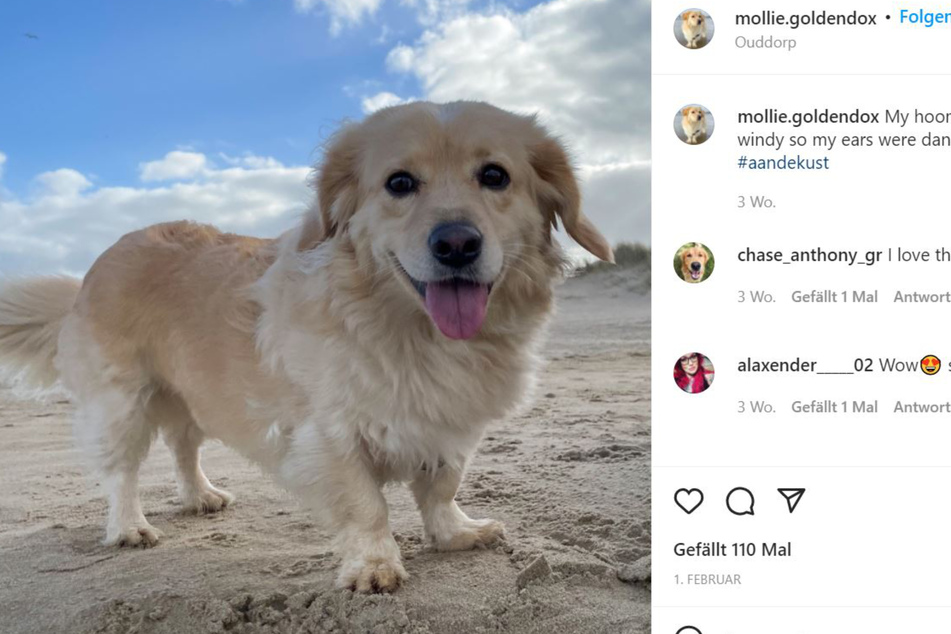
689,500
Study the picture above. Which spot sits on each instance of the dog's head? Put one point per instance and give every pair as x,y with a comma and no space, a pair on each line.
693,19
450,202
693,115
694,262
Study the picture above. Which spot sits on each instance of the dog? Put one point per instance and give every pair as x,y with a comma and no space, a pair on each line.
693,263
694,27
694,122
372,343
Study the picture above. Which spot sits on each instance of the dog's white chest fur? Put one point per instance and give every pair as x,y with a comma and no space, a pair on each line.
411,415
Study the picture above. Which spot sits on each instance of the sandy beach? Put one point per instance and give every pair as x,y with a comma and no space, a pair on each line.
569,477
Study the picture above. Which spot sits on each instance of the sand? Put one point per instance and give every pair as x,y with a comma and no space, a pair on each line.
570,478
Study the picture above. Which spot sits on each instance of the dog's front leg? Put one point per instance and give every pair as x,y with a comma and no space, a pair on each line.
446,526
340,486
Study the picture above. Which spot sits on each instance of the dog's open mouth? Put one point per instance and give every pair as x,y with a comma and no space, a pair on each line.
696,274
456,305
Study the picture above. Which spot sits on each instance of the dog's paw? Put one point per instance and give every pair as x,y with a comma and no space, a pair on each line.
144,536
209,500
368,575
471,534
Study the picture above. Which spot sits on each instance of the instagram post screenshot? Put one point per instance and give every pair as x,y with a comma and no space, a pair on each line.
340,316
332,316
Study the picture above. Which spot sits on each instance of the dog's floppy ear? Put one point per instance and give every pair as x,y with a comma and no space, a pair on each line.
685,111
558,196
685,15
336,185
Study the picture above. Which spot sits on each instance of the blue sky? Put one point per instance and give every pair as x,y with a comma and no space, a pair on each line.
121,113
110,82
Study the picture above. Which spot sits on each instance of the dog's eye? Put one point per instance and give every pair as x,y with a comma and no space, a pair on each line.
494,177
402,184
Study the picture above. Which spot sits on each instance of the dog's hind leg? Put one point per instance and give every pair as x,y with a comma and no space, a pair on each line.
112,427
184,438
443,521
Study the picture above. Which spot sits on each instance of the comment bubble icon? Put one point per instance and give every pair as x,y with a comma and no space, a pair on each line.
740,501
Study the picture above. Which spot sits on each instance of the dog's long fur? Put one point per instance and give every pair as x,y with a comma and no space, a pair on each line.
31,315
693,262
312,354
694,122
694,27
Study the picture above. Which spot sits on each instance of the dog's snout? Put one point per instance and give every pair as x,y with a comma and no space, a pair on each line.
455,244
695,266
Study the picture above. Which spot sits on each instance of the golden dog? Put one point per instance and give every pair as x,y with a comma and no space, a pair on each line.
694,122
372,343
694,27
693,262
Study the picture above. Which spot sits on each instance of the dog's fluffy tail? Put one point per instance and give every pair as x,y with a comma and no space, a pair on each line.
31,314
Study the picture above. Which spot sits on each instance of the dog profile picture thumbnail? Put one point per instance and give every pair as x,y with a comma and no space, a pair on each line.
693,373
693,124
694,262
693,28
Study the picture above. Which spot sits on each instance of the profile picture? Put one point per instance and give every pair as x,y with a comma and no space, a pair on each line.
693,124
693,373
693,263
693,28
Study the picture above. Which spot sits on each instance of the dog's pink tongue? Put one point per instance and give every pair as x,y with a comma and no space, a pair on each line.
457,308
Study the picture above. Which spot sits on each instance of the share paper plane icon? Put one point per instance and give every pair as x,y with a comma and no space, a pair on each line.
793,496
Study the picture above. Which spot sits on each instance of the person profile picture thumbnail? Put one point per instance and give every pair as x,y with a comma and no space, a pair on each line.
694,263
693,124
693,28
693,373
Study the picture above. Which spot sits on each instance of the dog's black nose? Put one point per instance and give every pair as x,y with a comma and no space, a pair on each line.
455,244
695,266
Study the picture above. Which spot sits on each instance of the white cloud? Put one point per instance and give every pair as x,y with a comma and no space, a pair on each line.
342,12
430,12
400,59
3,161
176,165
61,183
382,100
251,161
67,221
583,65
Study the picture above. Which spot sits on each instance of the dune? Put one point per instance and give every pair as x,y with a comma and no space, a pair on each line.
570,477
